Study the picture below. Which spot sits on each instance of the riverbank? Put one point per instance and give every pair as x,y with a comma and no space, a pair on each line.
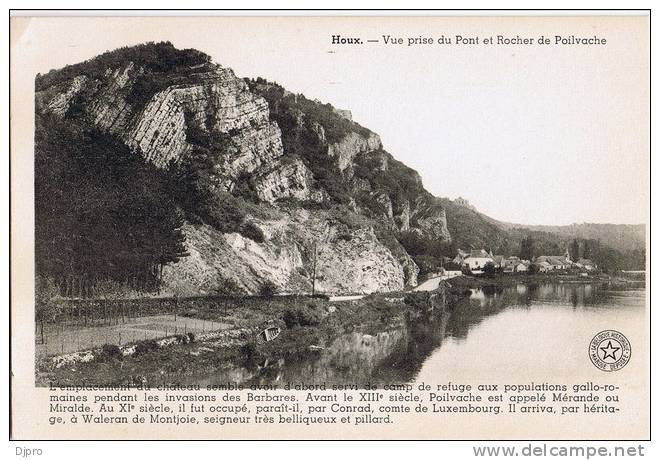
307,326
209,334
464,282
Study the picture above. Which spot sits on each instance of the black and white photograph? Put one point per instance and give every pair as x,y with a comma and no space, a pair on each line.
323,204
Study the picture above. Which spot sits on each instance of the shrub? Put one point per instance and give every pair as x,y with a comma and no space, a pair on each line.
418,300
290,318
182,338
110,352
302,315
267,289
489,269
189,313
224,214
320,296
248,351
344,237
227,287
251,231
145,346
347,217
145,87
427,264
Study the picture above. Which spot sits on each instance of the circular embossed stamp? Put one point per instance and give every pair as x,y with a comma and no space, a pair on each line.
609,350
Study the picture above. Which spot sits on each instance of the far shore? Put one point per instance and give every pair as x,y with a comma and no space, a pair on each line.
632,281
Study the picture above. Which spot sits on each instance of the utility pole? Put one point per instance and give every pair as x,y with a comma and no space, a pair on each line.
314,272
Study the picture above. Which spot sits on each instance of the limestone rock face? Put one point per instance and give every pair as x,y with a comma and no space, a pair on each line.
403,218
58,99
352,145
212,101
347,114
386,203
366,266
433,221
288,180
347,260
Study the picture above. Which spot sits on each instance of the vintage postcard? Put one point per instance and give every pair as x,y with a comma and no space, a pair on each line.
331,227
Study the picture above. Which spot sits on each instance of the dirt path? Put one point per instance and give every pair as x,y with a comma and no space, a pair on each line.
433,283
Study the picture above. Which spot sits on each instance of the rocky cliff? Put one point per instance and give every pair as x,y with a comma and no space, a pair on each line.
162,126
348,260
306,173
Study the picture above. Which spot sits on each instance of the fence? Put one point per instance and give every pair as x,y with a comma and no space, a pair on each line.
79,324
59,338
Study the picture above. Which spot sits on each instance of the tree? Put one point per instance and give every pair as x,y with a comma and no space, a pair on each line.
574,250
267,290
591,248
527,248
228,288
101,211
489,269
45,290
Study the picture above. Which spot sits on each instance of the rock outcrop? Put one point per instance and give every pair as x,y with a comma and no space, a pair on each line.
308,164
288,180
347,260
433,221
213,101
352,145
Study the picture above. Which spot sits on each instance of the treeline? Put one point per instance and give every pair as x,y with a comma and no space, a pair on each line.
428,253
607,259
159,58
101,212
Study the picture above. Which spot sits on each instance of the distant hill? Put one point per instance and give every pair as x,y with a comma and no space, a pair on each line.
623,237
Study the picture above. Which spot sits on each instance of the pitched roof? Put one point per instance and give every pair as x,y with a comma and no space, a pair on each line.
552,260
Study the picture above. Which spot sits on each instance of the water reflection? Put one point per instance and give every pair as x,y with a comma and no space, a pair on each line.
398,354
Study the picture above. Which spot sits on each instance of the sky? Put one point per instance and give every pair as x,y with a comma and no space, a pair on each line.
533,134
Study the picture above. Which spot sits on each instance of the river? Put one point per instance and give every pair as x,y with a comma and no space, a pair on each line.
522,332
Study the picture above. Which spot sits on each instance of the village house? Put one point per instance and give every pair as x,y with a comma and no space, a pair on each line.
510,264
587,264
523,266
515,265
460,257
550,263
544,266
498,261
476,260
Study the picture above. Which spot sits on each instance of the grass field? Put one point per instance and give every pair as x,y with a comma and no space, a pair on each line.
61,338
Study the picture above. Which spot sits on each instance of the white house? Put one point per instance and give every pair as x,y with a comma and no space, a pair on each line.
510,264
477,260
522,267
544,266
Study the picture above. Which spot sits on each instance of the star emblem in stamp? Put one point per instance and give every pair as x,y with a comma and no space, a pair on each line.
609,350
